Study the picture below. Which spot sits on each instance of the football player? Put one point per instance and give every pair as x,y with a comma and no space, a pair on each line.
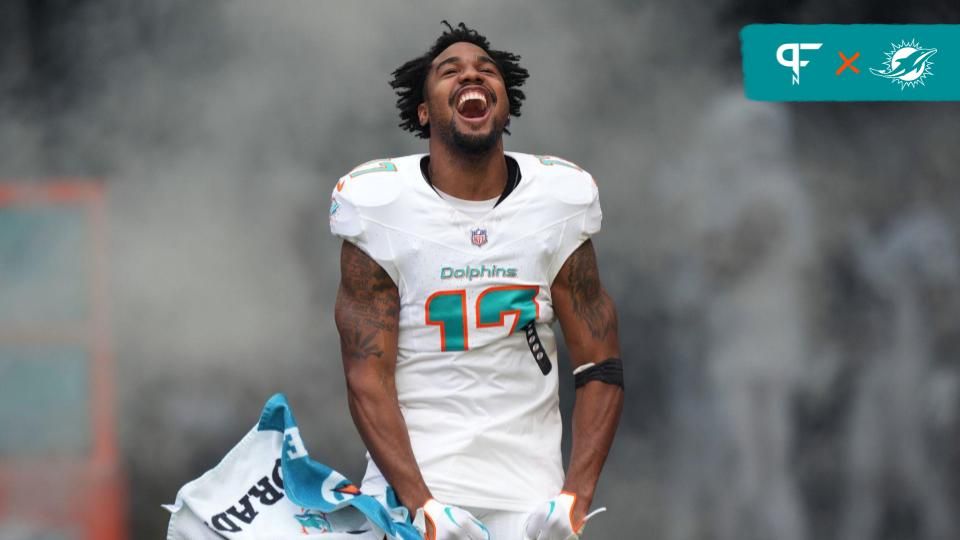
454,267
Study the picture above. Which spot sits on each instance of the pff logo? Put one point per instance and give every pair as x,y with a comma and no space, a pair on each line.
794,62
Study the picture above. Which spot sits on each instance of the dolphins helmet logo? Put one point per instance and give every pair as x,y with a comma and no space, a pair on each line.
310,519
907,64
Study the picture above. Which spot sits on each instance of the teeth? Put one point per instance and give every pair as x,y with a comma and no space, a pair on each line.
471,94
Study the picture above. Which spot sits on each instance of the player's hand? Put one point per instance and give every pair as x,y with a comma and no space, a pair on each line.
445,522
553,520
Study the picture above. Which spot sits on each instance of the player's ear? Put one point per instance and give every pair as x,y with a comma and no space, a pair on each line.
422,115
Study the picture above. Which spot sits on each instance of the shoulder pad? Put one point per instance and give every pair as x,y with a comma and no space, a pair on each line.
565,180
376,182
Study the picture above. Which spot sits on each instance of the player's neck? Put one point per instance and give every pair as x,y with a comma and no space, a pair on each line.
469,177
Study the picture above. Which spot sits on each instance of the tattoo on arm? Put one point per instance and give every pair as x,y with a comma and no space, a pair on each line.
358,346
590,302
368,306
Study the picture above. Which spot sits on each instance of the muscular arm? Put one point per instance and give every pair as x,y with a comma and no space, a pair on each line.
589,322
367,314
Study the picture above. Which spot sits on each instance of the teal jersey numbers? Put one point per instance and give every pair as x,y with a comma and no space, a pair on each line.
448,311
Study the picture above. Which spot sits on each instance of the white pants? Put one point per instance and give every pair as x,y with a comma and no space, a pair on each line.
502,524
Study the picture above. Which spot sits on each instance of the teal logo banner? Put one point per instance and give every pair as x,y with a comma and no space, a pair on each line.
854,62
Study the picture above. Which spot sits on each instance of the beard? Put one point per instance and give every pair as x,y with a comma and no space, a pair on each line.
474,144
471,143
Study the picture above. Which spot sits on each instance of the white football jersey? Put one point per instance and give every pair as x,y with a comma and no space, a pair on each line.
476,369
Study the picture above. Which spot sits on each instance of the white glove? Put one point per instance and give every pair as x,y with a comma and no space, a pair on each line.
449,523
553,520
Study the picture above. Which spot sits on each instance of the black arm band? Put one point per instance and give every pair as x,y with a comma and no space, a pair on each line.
610,371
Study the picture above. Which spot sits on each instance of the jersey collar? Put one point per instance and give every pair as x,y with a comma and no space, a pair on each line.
513,176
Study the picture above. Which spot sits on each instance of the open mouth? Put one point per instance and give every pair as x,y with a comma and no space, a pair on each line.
472,103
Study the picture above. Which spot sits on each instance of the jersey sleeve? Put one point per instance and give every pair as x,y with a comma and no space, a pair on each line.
347,221
579,227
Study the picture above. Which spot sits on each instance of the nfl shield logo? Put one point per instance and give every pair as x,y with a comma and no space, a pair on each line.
478,237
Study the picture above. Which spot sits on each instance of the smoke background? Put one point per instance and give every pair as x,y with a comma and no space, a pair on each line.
786,275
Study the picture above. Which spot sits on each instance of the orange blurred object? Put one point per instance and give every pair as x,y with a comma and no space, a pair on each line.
60,474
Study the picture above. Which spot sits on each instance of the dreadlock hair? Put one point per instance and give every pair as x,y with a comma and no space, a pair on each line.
410,78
